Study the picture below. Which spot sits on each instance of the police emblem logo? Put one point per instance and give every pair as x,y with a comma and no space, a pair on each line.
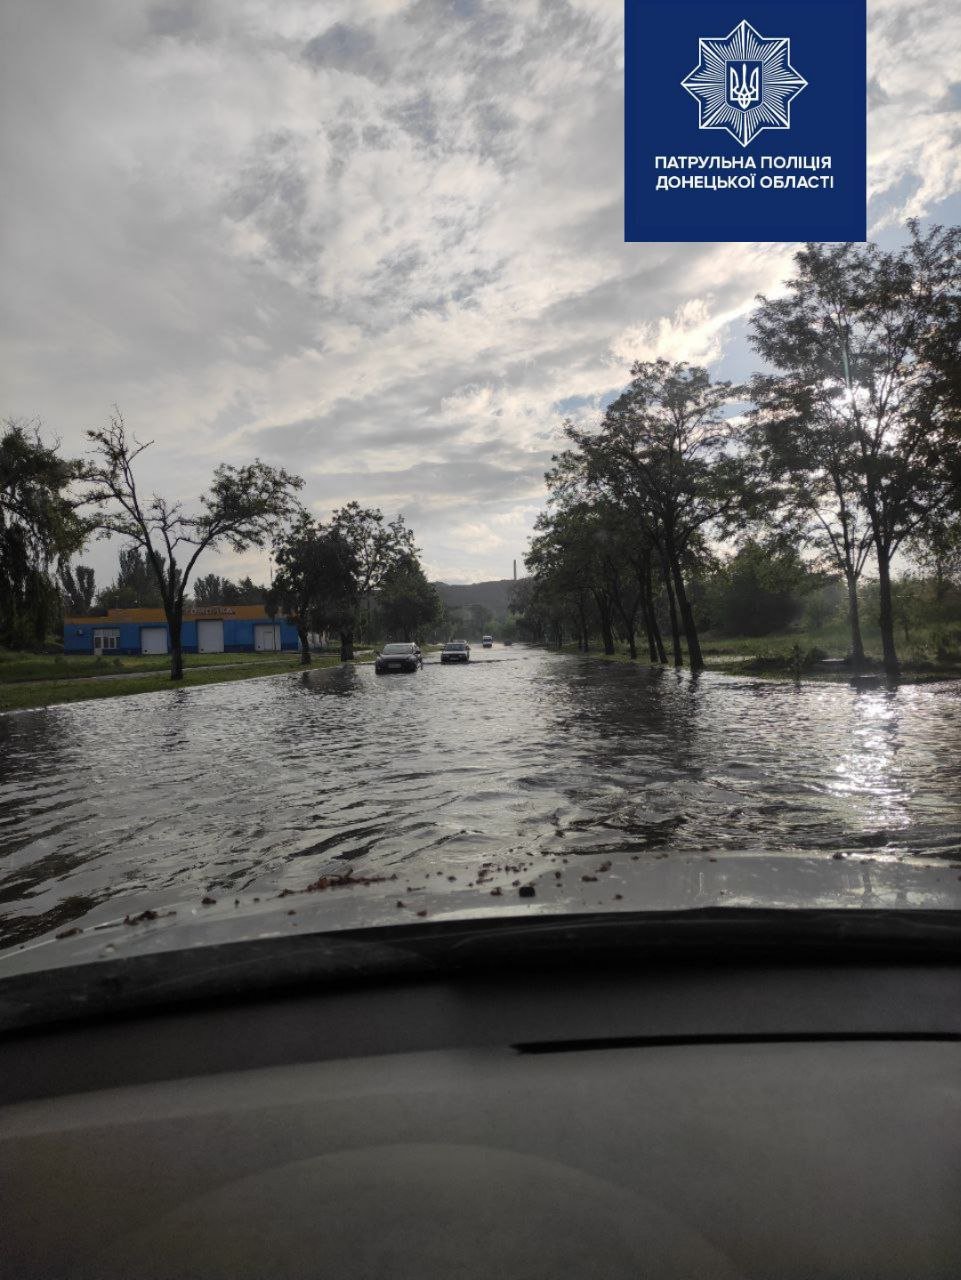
744,83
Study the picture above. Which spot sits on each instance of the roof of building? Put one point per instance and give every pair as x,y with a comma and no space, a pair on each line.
247,612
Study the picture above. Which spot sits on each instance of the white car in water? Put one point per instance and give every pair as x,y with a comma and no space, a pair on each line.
488,642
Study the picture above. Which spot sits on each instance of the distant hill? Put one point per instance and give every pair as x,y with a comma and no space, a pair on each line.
493,595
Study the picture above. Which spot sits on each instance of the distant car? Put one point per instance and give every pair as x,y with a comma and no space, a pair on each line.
455,651
488,642
398,657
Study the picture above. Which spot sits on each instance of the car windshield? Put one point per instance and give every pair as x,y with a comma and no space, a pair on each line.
322,326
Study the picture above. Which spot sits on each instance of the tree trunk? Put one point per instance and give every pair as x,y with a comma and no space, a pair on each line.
655,643
672,609
304,646
659,654
646,622
607,630
347,646
695,660
583,644
854,619
891,664
629,622
175,624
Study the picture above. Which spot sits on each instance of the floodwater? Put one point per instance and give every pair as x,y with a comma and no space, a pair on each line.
250,788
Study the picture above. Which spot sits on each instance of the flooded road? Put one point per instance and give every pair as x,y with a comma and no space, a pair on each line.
254,787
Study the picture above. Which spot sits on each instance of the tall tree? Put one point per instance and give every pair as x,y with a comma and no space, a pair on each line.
761,588
315,586
811,461
241,509
937,550
39,526
377,547
406,602
667,451
78,587
135,586
208,589
858,343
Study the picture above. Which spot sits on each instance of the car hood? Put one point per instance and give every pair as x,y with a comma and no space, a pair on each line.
592,886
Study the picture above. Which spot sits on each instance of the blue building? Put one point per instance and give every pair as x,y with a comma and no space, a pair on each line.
227,628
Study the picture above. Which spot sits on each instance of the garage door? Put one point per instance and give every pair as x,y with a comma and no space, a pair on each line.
266,637
210,637
153,639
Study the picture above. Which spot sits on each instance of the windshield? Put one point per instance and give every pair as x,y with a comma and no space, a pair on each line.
325,331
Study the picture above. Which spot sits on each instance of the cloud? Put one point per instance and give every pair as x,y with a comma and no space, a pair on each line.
378,241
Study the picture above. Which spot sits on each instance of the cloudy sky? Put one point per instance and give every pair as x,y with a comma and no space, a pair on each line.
377,241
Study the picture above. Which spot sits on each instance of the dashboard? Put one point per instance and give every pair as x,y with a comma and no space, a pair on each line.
704,1119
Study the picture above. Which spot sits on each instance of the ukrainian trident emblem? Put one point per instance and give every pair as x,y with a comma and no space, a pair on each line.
744,83
743,92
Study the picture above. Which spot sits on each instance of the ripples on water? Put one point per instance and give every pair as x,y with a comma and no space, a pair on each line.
262,785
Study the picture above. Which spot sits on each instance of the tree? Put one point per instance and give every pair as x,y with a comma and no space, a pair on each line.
315,586
212,589
937,550
241,509
135,586
859,346
668,454
407,603
78,587
761,588
811,463
39,526
376,547
208,589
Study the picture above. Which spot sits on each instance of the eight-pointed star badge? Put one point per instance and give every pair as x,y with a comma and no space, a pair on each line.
744,83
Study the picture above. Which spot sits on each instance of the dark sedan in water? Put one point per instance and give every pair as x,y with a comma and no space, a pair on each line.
398,657
455,651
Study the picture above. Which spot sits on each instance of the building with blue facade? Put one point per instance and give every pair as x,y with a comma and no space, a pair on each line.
242,628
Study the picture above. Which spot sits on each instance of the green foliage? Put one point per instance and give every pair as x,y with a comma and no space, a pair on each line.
243,507
135,586
849,451
78,587
859,425
212,589
407,605
39,526
316,585
760,589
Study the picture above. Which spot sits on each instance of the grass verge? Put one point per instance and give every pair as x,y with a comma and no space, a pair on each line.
791,656
16,667
22,696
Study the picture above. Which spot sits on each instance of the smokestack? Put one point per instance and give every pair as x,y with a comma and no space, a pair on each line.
515,570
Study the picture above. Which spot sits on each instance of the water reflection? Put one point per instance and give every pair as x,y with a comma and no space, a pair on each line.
250,788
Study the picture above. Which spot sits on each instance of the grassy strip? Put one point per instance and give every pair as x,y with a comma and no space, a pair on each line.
746,656
26,694
20,697
17,667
